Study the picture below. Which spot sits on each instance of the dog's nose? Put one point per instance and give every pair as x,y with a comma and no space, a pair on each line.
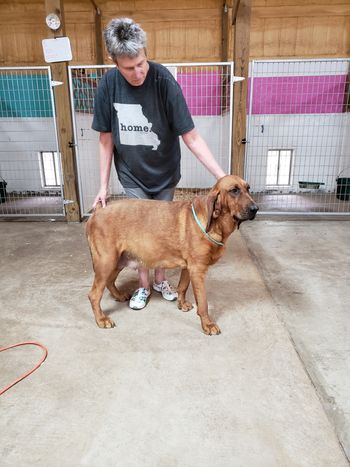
253,210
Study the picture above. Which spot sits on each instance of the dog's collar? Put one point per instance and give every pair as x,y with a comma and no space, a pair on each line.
209,237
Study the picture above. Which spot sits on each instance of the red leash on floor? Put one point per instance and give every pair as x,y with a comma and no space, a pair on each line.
43,358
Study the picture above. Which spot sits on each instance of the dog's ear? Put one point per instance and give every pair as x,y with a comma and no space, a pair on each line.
214,208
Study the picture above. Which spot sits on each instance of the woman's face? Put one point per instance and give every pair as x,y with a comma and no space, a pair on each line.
134,69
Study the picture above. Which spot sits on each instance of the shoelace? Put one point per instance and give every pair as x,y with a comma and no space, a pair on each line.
144,293
166,287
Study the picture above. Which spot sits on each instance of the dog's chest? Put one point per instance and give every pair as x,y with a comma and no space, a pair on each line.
215,254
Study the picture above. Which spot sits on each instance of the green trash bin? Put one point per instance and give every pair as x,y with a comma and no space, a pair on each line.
3,192
343,187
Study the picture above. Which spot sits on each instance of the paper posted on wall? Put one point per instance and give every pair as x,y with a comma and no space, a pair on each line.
57,49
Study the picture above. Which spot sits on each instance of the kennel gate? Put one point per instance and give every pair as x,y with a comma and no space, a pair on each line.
30,165
298,132
207,88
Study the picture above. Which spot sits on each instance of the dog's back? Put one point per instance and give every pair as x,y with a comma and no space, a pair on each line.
139,215
153,232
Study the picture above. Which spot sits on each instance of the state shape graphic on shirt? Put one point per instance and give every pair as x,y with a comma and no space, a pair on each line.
134,128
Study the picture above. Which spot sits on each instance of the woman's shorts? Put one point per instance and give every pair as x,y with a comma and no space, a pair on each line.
164,195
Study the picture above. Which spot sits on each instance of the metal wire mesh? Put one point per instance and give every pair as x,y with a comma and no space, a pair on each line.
297,158
27,129
298,155
208,91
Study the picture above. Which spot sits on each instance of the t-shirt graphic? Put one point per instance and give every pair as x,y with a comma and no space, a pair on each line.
134,128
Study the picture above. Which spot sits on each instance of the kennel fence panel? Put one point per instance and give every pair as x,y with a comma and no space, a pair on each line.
208,91
30,167
298,151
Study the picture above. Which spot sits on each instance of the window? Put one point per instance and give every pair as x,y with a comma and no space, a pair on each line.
49,169
279,165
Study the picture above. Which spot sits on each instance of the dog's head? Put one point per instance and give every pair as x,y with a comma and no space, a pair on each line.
231,195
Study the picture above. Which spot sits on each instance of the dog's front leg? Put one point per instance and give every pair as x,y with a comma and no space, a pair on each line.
184,282
197,278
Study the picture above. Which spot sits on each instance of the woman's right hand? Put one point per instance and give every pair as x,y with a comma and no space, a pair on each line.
101,198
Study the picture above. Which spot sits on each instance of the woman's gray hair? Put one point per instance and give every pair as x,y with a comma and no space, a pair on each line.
123,37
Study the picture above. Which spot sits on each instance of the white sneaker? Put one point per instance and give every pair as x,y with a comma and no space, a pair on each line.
166,290
139,298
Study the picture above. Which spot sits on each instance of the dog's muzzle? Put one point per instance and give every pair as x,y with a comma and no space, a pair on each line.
253,209
249,213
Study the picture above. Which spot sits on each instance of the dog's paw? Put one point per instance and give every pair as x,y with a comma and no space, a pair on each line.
120,296
211,329
123,297
184,305
105,323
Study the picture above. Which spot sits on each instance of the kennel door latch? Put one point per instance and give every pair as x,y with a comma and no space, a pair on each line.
67,201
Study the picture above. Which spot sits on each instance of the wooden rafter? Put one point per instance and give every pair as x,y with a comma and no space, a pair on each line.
98,33
235,11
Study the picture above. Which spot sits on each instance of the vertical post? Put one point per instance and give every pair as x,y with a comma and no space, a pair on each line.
98,33
346,102
59,72
241,23
225,46
224,33
226,28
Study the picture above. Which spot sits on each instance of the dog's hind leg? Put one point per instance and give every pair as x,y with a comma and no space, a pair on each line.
184,282
104,270
114,291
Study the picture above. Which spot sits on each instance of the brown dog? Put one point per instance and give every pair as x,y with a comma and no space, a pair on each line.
167,234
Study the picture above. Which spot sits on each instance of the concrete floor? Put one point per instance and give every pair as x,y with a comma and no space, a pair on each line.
306,267
155,391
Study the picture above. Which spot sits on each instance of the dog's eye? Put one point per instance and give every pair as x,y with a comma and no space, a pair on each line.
235,191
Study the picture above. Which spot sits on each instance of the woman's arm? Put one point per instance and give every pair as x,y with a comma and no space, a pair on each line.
199,148
106,147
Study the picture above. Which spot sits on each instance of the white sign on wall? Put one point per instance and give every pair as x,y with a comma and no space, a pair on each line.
57,49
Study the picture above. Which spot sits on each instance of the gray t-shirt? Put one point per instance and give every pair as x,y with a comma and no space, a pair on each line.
146,122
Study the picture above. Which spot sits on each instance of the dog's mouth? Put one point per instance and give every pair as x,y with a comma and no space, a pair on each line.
247,214
238,221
